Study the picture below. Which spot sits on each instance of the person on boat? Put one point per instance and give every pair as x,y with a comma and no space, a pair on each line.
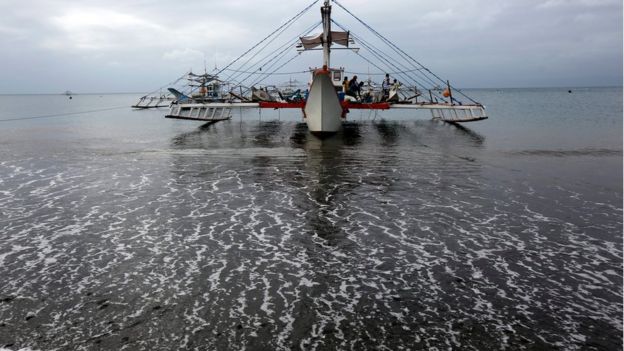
393,93
396,84
385,86
345,85
354,87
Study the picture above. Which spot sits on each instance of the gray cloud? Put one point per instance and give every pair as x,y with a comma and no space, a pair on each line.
95,46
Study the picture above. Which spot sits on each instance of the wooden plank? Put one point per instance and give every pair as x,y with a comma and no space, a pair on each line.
455,121
366,106
197,119
276,105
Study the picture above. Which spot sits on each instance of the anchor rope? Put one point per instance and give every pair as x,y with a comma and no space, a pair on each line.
64,114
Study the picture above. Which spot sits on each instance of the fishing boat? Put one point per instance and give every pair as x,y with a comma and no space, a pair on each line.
325,104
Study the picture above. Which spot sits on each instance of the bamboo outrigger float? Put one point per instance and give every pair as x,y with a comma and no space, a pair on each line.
324,105
147,102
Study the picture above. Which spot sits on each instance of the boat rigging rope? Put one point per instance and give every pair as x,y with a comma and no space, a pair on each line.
166,85
260,72
268,58
390,64
270,73
376,52
277,69
273,61
233,77
268,36
381,72
276,58
401,69
416,85
398,50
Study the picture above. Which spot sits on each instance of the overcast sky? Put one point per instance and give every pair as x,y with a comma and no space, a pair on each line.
135,46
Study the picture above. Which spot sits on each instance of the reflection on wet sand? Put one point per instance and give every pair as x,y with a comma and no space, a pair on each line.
255,235
387,234
328,175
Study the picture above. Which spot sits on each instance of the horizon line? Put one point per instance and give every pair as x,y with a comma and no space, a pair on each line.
486,88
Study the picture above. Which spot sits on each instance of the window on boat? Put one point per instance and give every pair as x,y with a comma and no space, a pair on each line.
337,76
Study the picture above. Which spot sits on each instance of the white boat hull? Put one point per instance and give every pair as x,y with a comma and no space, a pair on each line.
323,111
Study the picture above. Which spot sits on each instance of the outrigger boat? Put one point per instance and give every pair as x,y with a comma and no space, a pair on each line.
324,105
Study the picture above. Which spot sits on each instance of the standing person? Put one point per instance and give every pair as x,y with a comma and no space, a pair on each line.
393,94
345,85
385,86
396,84
354,87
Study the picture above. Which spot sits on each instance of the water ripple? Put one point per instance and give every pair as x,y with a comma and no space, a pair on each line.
387,236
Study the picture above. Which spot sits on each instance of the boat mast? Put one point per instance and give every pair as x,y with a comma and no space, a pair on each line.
326,15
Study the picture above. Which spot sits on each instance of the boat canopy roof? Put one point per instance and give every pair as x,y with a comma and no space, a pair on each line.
311,42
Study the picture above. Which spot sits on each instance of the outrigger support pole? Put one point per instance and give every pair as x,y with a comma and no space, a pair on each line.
448,86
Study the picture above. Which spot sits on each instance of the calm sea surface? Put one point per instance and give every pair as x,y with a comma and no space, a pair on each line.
122,230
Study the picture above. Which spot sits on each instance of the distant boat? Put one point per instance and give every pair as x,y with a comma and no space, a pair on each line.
68,93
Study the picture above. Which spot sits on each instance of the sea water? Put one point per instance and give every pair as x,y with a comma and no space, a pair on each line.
120,229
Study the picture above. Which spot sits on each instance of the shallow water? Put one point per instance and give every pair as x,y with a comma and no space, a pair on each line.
120,229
